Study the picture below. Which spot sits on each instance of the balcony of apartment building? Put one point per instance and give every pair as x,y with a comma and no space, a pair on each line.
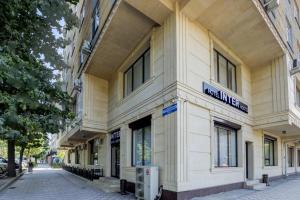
90,102
116,29
244,26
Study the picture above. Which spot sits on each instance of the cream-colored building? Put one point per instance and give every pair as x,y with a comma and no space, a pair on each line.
208,91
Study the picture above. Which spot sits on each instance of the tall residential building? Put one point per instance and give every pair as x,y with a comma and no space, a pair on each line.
207,90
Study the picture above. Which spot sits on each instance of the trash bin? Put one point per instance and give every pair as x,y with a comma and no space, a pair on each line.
123,186
265,179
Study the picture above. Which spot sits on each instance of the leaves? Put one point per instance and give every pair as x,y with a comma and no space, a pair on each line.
32,102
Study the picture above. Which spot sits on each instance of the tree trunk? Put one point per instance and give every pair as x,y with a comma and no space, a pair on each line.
21,158
11,168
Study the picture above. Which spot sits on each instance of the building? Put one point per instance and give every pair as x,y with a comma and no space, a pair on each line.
208,91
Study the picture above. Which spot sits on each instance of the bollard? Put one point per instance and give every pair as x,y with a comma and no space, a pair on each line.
265,179
123,186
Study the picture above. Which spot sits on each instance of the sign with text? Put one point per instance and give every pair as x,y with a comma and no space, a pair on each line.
170,109
224,97
115,137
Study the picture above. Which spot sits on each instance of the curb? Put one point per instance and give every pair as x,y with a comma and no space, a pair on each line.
10,182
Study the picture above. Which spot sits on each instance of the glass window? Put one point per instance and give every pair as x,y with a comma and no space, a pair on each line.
93,152
95,17
142,146
128,82
289,34
69,156
137,74
269,151
297,96
290,156
225,71
225,147
298,155
77,156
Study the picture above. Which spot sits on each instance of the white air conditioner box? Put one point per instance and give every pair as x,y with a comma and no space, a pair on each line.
146,185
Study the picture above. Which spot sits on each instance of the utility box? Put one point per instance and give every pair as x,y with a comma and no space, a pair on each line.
146,185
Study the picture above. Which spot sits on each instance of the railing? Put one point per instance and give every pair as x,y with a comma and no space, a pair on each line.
89,174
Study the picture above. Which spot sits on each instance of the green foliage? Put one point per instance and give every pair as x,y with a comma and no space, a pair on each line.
32,102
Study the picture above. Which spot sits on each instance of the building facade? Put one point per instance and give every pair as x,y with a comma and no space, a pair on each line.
208,91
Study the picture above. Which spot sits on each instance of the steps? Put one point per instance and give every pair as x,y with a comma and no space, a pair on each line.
255,185
107,184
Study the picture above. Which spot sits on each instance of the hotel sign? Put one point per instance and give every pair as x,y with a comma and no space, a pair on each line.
223,96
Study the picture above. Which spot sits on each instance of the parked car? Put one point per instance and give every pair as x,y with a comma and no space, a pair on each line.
4,163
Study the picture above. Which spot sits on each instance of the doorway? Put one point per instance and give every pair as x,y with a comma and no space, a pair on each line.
249,165
115,160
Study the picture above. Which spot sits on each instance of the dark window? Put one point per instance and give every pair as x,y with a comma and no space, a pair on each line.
69,156
225,71
225,146
289,34
141,142
95,18
291,156
269,151
93,152
82,15
138,73
297,96
77,156
298,156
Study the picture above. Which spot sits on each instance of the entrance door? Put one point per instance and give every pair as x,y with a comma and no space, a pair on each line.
249,160
115,160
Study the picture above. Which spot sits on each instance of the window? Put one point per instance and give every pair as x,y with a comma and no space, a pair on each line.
297,96
296,13
82,14
225,146
94,151
137,74
69,156
298,155
77,156
289,34
269,151
290,156
95,18
141,142
225,71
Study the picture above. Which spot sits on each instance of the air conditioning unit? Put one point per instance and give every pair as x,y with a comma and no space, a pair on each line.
270,5
296,67
77,85
146,185
86,47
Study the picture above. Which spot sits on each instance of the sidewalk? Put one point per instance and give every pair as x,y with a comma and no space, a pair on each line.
282,189
7,181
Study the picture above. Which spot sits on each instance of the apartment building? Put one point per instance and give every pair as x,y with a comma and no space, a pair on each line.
208,91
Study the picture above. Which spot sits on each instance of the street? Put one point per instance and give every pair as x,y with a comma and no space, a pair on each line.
53,184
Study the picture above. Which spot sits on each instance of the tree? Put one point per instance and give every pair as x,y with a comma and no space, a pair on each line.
32,101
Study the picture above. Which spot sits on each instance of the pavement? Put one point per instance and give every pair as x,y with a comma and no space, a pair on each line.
55,184
283,189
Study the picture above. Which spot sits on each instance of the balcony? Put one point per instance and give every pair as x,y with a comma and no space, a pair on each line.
125,26
243,26
91,108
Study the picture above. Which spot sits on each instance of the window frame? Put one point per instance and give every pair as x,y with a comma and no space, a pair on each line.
77,156
272,141
92,153
217,148
82,15
132,73
216,65
289,34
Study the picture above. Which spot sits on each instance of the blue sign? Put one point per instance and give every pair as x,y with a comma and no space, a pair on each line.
223,96
115,137
170,109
